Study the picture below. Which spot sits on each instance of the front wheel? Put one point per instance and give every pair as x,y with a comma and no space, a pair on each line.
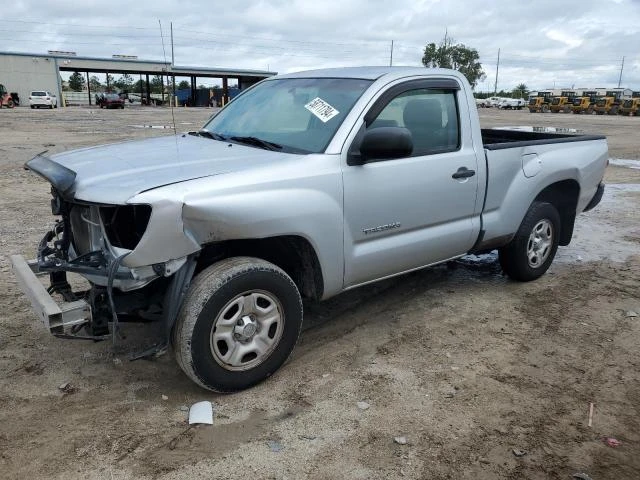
530,253
239,323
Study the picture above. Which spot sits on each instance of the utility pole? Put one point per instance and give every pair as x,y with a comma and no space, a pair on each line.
495,86
173,76
391,56
621,68
172,58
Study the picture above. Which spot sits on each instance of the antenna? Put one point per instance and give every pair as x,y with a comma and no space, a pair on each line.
166,67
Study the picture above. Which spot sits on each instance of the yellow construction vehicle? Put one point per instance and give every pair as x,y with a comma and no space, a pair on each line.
587,102
611,102
631,106
540,101
563,102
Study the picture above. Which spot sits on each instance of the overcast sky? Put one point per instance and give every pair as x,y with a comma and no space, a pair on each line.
545,43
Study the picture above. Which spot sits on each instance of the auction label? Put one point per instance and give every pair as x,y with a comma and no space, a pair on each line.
321,109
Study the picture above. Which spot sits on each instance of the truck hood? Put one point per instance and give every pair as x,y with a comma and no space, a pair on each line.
114,173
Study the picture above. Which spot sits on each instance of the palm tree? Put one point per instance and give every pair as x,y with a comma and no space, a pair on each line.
520,91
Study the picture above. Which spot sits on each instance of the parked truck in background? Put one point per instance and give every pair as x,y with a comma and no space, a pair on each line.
512,103
306,185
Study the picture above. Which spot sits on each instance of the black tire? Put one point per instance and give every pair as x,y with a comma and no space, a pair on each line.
210,294
32,107
514,256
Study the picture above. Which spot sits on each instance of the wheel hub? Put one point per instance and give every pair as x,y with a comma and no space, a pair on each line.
246,328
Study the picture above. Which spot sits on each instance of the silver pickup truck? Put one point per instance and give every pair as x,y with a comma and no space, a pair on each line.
306,185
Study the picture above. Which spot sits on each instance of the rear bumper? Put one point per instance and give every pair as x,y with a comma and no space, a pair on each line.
596,198
55,317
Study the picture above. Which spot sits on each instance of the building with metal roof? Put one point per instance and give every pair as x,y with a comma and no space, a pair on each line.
24,72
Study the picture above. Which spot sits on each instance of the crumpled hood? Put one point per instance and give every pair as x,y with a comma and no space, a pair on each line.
115,173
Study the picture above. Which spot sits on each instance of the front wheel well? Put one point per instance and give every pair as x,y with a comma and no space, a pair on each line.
564,196
293,254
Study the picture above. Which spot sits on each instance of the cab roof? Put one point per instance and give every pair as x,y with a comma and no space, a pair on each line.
366,73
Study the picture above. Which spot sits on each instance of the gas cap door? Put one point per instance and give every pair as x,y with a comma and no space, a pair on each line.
531,164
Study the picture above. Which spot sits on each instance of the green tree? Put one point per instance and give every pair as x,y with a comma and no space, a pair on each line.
140,86
521,91
183,85
456,56
76,82
124,82
157,84
95,84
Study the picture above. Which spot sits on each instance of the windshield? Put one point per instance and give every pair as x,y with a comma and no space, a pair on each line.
38,94
112,96
299,115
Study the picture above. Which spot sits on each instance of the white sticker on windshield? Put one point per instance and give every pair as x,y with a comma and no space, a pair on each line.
321,109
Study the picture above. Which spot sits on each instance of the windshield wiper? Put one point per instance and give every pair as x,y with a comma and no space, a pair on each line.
257,142
211,135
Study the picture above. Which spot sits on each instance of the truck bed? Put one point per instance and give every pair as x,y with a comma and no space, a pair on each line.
511,137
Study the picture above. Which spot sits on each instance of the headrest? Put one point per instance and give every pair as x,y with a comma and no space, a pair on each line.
422,113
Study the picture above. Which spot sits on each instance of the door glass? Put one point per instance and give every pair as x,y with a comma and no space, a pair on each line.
431,116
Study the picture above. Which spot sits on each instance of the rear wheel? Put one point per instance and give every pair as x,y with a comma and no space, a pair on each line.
530,253
239,323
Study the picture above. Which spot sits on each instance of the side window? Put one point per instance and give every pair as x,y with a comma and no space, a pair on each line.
430,115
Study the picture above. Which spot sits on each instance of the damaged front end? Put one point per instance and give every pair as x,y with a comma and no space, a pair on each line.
93,240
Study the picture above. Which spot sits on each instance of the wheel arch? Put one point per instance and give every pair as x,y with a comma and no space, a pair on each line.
292,253
563,195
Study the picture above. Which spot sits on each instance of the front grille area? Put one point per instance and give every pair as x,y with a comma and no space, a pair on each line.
125,224
85,229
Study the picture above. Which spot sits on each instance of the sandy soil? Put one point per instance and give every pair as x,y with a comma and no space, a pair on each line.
464,363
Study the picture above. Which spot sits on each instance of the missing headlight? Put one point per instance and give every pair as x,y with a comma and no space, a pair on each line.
124,225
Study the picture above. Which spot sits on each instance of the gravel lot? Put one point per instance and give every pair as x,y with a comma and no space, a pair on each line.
464,363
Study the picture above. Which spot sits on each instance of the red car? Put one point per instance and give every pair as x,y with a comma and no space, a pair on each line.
109,100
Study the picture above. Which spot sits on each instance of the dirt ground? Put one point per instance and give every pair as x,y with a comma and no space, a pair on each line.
464,363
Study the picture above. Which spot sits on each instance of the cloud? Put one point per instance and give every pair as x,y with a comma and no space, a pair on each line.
574,42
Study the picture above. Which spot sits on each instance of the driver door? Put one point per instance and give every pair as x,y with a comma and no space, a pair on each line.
410,212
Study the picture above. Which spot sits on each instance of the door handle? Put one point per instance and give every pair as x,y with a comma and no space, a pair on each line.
463,172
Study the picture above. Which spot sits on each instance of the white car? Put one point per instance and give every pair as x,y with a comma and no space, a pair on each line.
42,98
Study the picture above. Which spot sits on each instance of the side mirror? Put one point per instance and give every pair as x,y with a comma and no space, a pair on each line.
383,143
